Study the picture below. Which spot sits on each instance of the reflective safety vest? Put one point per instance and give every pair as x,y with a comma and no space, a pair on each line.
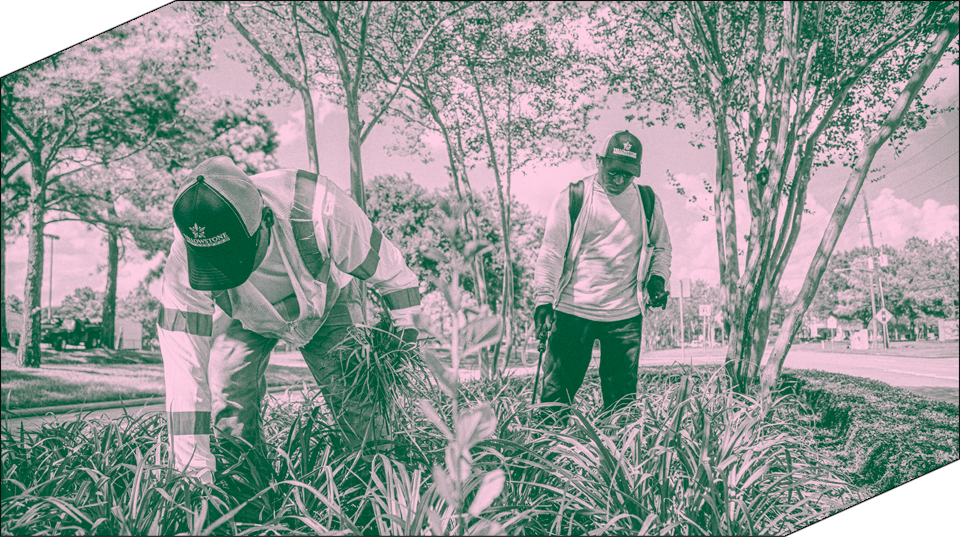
325,241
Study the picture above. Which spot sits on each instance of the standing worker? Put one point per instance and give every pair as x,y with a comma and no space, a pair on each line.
605,255
255,260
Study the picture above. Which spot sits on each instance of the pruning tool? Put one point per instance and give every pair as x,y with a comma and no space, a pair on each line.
541,348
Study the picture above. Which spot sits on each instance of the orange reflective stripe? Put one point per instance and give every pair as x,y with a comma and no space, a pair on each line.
404,298
301,219
191,322
369,266
191,422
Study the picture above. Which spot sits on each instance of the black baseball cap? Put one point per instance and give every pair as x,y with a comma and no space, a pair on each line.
218,211
622,152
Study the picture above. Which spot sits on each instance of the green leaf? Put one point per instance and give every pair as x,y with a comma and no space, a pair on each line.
476,425
480,333
445,486
435,419
446,377
435,255
475,248
489,490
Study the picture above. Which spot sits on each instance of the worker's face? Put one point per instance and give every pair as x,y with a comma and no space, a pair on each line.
614,181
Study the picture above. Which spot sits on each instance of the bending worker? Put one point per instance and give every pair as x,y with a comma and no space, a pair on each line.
255,260
605,255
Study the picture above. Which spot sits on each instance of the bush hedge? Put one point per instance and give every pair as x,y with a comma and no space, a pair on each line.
879,435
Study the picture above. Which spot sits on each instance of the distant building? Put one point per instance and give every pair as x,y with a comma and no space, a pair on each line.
127,334
14,325
948,330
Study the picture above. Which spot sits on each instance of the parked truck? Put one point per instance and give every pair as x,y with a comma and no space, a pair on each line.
72,331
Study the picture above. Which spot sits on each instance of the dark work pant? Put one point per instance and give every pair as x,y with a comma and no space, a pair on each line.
238,362
569,350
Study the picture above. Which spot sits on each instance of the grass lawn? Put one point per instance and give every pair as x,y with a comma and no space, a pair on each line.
908,349
89,376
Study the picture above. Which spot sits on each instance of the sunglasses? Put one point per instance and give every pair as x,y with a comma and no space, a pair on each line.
620,175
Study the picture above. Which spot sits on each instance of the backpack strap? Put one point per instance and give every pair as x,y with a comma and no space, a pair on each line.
301,220
648,199
576,204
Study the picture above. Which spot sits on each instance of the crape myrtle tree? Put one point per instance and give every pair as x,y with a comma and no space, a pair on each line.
86,110
503,86
784,89
410,216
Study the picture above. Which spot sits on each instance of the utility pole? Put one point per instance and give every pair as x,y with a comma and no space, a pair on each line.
873,269
50,284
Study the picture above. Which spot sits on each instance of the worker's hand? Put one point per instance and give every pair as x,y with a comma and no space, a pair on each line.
543,320
655,290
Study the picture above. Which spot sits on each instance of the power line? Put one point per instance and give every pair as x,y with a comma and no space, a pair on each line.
921,151
933,187
925,171
912,198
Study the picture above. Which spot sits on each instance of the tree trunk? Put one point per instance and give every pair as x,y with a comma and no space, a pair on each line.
726,224
353,145
4,336
110,293
310,130
473,231
507,297
771,373
28,354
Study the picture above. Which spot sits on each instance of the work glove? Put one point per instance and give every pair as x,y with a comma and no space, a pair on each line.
409,336
655,290
543,320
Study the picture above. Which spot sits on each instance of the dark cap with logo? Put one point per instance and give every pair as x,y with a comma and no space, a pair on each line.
622,152
218,211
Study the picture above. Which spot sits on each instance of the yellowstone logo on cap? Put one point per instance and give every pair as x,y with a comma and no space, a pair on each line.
625,151
199,240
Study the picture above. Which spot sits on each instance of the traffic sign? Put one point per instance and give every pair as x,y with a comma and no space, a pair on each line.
706,310
884,316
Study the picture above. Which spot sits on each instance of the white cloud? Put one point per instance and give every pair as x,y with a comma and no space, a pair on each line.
292,131
77,258
894,220
947,91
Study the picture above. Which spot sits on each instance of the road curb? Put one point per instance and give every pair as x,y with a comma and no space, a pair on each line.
129,403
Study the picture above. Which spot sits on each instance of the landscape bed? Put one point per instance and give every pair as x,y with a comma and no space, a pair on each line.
688,458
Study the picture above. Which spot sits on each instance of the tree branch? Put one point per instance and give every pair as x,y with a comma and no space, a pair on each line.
406,69
255,43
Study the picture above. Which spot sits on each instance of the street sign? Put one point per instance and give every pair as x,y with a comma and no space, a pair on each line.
832,322
706,310
884,316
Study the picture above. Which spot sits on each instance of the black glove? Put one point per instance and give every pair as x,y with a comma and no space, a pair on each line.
543,320
655,290
409,336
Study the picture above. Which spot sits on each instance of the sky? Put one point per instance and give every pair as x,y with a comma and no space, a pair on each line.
917,197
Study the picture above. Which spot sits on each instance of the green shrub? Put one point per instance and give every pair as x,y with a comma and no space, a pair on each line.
880,435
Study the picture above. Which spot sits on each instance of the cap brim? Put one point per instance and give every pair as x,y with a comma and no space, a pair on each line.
226,269
618,165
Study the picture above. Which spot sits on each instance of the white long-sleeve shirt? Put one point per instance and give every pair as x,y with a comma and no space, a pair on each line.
560,250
